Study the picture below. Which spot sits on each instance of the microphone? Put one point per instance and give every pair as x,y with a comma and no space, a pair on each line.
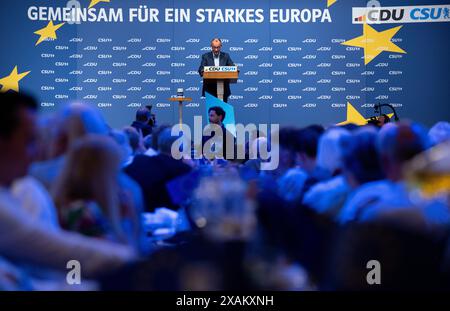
180,92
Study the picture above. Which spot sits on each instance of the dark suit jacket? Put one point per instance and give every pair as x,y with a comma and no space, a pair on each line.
211,87
145,129
227,135
152,174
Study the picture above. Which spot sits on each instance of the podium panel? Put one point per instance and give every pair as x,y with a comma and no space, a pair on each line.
220,74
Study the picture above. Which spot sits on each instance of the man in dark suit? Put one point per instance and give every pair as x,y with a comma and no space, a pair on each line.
215,58
216,116
141,124
152,173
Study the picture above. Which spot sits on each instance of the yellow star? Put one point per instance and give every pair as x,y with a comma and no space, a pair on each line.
374,42
11,82
48,31
330,2
94,2
353,116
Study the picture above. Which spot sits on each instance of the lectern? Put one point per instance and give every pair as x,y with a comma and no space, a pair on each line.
180,100
220,74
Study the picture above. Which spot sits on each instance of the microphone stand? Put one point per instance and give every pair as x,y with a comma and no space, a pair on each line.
379,110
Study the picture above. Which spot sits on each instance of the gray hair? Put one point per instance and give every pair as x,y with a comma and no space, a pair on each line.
216,39
439,133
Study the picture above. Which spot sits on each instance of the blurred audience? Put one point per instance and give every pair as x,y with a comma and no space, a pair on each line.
88,194
152,173
439,133
25,240
340,197
136,140
75,122
397,144
143,122
327,197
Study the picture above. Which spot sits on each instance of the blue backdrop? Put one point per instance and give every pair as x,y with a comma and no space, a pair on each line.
295,72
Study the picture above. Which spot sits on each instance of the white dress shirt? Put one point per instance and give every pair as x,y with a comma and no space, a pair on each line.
216,60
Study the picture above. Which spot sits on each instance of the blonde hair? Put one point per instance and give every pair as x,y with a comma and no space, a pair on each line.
74,122
90,173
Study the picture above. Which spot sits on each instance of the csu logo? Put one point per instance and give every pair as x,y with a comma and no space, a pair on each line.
163,105
236,97
338,89
294,97
430,13
405,14
294,81
279,89
162,89
279,105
